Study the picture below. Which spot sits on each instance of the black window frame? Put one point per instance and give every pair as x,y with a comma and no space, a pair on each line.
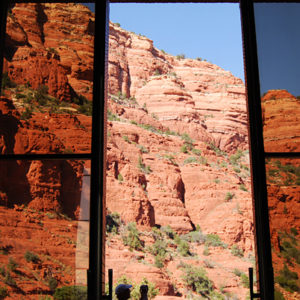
96,274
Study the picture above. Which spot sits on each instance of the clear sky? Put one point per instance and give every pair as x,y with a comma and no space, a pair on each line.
209,31
278,43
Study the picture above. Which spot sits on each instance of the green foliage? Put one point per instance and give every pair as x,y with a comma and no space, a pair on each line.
206,251
196,151
2,271
71,293
237,272
288,250
20,96
234,159
180,56
287,279
198,58
157,72
216,149
236,251
244,280
190,160
294,231
215,241
85,106
3,292
41,95
278,295
117,24
168,231
7,82
184,149
243,188
143,149
195,237
52,283
112,117
145,169
12,264
120,177
26,114
113,223
184,248
196,279
126,139
32,257
131,237
9,280
229,196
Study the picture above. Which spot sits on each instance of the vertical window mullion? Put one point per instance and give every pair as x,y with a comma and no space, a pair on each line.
261,215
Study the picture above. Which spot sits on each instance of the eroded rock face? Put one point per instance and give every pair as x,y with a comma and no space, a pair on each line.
52,45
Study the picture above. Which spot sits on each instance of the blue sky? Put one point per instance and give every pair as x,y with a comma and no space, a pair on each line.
209,31
278,43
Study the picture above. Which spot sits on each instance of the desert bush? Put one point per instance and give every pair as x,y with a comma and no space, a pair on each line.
234,159
145,169
236,251
2,271
113,222
71,293
294,231
243,188
143,148
206,251
288,279
196,151
196,279
190,160
7,82
244,280
32,257
20,96
215,241
131,237
12,264
26,114
9,280
3,292
169,232
52,283
180,56
159,261
195,237
278,295
229,196
184,248
237,272
184,149
120,177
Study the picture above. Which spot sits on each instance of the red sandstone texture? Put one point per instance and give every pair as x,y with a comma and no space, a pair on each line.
150,179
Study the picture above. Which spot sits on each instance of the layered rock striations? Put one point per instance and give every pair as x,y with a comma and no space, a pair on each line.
176,145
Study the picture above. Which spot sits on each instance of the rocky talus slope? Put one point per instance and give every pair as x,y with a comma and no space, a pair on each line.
176,156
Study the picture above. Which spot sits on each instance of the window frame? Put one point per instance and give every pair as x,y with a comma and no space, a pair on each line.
96,274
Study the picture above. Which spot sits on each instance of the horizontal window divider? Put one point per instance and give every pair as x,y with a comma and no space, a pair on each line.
45,156
282,154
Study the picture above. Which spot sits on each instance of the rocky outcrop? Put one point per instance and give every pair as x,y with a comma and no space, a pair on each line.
49,44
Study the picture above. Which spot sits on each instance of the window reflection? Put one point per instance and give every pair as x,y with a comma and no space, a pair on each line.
277,32
283,178
47,79
44,225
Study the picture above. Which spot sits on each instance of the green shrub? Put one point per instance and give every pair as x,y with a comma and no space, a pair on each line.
2,271
71,293
159,261
229,196
26,114
190,160
180,56
168,231
195,237
126,139
278,295
143,148
52,283
20,96
196,151
215,241
245,280
32,257
294,231
113,223
206,251
287,279
12,264
145,169
131,237
7,82
184,149
236,251
237,272
184,248
196,279
3,292
9,280
243,188
120,177
234,159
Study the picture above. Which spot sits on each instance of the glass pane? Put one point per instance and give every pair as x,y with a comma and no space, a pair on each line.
283,178
179,208
46,101
44,225
277,32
